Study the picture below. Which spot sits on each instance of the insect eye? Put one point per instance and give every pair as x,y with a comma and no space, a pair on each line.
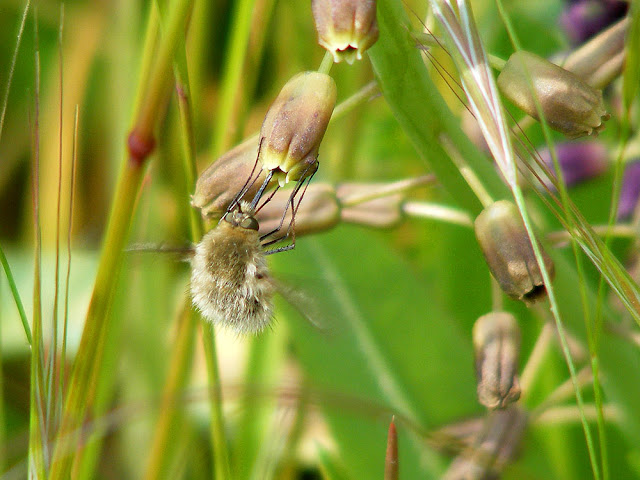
249,223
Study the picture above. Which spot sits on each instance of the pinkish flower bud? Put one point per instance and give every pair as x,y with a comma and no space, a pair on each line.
221,181
579,161
496,340
346,28
295,125
569,105
509,253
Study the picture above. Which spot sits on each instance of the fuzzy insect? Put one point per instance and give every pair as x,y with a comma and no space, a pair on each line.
230,280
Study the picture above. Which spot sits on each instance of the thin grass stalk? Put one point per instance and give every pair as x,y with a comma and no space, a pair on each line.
157,89
231,89
545,274
37,432
54,394
16,297
63,349
3,111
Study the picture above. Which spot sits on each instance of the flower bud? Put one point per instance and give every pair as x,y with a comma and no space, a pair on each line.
508,251
496,340
318,211
221,181
569,105
295,124
584,18
346,28
630,191
578,161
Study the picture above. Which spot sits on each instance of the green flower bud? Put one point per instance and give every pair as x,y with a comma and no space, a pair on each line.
346,28
508,251
496,340
294,126
221,181
569,105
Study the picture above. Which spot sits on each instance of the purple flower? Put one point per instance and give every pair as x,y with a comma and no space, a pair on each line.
630,190
579,161
582,19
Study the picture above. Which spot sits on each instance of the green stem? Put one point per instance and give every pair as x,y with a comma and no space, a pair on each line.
327,63
157,89
16,296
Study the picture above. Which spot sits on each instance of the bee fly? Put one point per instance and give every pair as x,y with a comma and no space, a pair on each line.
230,280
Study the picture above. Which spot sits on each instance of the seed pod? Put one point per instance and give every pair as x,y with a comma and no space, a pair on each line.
318,212
630,191
509,253
569,105
496,340
219,183
294,126
346,28
578,161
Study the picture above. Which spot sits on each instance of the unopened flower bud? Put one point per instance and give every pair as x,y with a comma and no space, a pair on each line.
318,211
569,105
379,211
219,183
630,191
295,124
496,341
578,161
584,18
346,28
508,251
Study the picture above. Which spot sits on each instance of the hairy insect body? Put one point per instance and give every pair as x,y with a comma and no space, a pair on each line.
230,281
